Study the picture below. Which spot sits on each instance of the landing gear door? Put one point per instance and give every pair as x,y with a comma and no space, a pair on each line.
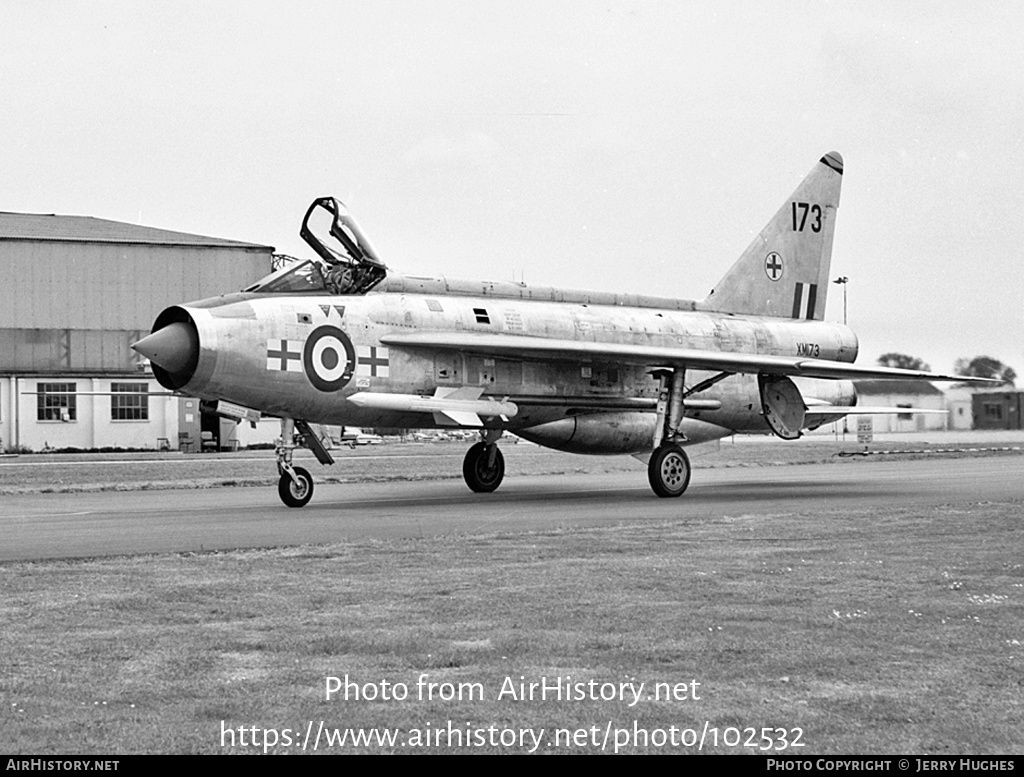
783,405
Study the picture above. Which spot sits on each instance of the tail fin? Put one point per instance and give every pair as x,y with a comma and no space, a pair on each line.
784,272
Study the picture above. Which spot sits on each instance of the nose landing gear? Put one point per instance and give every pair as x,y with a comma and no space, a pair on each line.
295,488
296,484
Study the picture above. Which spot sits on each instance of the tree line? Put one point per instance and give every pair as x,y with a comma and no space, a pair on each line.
977,367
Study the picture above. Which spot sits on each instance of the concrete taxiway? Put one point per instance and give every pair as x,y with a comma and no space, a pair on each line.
42,526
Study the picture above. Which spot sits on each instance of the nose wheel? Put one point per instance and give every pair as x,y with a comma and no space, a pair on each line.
484,467
297,491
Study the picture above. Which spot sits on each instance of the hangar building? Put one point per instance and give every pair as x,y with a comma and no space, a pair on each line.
76,292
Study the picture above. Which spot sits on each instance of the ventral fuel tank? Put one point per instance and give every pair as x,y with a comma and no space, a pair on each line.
614,433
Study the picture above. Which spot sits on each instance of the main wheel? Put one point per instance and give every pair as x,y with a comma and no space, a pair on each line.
481,476
669,470
296,494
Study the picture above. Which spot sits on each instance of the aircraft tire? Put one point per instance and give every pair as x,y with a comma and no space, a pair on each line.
296,495
669,470
479,477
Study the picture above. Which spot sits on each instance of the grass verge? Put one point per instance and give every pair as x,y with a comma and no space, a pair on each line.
404,461
870,631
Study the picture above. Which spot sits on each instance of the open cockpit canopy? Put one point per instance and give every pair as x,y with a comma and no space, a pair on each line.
348,263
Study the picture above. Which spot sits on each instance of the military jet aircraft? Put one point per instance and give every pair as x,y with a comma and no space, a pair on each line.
341,339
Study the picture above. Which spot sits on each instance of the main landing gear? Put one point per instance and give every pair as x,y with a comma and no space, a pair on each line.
484,466
296,484
668,469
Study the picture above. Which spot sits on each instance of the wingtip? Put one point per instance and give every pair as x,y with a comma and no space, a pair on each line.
833,160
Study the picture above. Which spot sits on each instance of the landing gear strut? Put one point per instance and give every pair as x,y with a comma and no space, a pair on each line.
484,466
296,484
668,469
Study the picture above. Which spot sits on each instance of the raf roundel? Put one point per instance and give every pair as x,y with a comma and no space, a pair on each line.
328,358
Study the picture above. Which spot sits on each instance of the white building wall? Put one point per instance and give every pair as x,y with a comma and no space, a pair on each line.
93,426
835,429
907,423
111,433
894,422
267,431
6,414
959,404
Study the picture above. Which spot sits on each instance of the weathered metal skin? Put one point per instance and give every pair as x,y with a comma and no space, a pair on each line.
252,350
615,433
603,433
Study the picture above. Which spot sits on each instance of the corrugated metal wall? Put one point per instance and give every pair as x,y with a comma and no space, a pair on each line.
77,306
50,285
65,350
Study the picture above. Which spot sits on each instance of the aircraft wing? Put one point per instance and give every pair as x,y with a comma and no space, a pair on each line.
541,349
825,409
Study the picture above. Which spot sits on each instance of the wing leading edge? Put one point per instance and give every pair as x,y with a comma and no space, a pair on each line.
538,349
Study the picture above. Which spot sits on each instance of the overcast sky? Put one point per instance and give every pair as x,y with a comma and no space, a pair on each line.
621,146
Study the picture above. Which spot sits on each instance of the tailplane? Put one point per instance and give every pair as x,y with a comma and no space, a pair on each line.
784,272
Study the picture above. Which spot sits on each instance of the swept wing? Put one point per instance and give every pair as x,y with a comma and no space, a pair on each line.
538,349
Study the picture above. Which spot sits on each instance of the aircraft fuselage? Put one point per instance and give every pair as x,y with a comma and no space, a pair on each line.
305,356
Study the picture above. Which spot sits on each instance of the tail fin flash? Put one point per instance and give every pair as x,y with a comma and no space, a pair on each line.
784,272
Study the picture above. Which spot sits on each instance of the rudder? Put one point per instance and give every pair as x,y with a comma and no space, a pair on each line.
784,272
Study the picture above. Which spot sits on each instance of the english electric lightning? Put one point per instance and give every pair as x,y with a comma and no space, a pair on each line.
341,339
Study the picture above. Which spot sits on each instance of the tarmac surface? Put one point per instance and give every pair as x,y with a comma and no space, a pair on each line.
75,525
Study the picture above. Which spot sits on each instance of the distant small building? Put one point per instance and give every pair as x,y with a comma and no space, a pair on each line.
904,393
998,408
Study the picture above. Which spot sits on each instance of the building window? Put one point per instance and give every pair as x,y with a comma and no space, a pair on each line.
993,412
56,402
129,402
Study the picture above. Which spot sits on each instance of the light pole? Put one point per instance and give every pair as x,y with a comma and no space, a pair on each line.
842,280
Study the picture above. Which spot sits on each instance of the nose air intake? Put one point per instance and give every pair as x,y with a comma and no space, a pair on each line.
173,350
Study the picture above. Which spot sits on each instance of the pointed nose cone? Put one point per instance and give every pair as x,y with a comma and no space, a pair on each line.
173,348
